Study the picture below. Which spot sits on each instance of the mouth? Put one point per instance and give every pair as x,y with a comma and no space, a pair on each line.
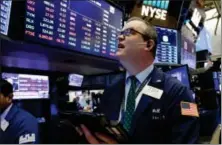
120,46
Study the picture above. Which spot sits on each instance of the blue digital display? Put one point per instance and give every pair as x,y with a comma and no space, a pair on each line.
5,11
167,50
87,26
182,74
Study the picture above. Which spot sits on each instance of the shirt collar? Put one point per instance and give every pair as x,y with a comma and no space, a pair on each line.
143,74
5,113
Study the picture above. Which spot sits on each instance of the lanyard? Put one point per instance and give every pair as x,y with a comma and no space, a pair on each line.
138,90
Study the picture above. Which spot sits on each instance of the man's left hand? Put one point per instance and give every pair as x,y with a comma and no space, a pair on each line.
93,140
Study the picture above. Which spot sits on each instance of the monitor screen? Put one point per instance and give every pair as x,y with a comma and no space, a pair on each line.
204,41
188,52
86,26
75,80
86,99
167,49
5,12
182,74
28,86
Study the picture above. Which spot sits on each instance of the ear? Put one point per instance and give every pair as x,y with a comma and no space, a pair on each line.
9,98
150,45
10,95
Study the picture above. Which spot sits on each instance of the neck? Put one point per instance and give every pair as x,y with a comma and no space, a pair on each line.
4,108
136,67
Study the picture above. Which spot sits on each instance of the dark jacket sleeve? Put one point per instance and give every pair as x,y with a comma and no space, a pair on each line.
28,131
185,129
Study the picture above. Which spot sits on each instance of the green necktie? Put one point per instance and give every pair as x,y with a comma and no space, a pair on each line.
130,106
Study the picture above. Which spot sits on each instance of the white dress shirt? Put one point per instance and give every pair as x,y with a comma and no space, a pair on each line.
141,78
5,113
4,123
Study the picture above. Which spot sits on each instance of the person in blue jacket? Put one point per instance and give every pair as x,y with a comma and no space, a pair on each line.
152,106
16,125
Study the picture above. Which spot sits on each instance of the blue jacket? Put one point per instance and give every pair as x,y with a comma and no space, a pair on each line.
22,127
149,126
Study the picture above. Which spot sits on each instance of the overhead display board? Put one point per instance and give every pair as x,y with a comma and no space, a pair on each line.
86,26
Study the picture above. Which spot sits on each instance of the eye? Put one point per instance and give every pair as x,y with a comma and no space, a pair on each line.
133,32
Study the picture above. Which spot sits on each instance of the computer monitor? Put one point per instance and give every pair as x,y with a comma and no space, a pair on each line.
182,74
204,41
26,86
75,80
167,50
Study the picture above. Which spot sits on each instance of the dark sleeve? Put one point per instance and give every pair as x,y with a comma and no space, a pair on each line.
28,131
185,129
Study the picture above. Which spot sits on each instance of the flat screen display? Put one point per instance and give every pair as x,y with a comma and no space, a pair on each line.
167,49
188,52
28,86
5,12
75,80
182,74
204,41
86,26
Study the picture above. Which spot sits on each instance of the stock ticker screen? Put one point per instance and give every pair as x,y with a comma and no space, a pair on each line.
167,49
86,26
5,11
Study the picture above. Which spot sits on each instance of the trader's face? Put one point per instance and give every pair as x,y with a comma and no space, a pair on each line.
5,101
131,42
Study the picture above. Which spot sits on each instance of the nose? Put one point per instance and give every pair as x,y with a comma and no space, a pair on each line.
121,37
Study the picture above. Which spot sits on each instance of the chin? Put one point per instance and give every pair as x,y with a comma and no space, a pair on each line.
118,54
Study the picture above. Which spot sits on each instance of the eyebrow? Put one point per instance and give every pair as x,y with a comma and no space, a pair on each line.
136,31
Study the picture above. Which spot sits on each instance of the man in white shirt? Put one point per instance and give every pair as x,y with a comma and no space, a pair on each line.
152,106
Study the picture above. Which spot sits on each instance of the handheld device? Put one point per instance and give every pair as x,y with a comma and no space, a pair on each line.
97,122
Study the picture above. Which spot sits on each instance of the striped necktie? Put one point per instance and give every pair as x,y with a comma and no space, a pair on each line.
130,106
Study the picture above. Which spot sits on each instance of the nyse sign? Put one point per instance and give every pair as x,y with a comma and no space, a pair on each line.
154,12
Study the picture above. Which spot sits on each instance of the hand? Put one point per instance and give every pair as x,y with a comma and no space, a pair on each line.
93,140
